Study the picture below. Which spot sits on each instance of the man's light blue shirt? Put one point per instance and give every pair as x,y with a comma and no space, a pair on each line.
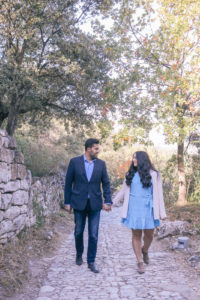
89,167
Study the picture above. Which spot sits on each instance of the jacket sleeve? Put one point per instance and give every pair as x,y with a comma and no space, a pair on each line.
106,185
68,182
161,199
120,195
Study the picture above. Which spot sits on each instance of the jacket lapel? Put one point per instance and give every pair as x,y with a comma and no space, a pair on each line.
82,164
95,169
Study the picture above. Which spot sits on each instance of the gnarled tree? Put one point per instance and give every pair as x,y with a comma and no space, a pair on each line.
48,65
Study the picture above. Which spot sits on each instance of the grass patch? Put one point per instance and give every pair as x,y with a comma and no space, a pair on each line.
189,213
30,245
39,213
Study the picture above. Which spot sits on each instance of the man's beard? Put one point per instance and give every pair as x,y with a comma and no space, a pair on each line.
93,156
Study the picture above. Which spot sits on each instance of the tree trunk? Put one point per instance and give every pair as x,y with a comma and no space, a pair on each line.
3,113
182,199
2,117
13,116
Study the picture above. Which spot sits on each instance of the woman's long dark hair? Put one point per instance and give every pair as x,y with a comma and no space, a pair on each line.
144,165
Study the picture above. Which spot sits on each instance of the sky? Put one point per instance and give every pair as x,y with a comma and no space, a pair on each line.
157,137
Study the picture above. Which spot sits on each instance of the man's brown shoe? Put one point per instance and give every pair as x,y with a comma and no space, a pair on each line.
145,257
140,267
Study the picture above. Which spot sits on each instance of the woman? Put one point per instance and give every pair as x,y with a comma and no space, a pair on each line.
143,204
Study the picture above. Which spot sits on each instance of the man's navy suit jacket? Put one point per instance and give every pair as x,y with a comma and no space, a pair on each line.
77,186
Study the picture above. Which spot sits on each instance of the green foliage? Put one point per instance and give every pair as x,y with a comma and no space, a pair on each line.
129,135
40,158
162,44
105,128
170,182
38,212
195,193
197,226
194,179
160,56
48,66
45,150
62,214
22,234
118,161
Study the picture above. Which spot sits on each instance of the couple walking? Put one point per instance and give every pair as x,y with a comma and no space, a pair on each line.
141,193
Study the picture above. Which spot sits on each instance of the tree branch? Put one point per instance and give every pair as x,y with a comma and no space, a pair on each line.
189,141
151,54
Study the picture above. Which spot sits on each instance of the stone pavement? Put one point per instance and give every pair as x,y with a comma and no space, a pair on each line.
118,277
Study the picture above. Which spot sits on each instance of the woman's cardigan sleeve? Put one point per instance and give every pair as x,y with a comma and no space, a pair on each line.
120,195
161,199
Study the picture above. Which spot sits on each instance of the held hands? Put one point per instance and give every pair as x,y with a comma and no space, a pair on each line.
107,207
68,208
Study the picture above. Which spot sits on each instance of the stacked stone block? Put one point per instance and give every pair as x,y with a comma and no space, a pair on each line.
18,194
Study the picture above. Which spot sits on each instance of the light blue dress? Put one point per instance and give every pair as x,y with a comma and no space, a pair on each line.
140,208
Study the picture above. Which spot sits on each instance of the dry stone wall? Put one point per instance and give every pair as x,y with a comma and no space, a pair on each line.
23,198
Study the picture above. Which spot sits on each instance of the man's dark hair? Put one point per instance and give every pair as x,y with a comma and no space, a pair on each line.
90,142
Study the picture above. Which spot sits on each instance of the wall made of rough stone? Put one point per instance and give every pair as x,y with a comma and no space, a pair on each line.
21,196
48,192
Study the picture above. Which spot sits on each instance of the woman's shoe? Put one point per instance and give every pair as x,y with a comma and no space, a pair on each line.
141,268
145,257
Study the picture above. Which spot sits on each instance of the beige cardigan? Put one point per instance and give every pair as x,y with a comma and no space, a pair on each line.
158,202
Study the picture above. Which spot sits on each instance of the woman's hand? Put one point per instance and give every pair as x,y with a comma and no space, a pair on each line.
106,207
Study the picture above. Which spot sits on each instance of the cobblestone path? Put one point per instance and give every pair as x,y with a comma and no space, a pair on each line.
118,277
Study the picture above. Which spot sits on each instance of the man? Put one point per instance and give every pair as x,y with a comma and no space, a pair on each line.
84,177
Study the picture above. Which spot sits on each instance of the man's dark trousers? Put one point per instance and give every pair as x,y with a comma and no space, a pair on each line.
77,190
93,226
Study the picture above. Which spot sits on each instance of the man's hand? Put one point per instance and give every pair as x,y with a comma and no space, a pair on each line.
106,207
68,208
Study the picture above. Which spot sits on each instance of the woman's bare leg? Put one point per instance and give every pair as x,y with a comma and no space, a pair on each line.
137,243
148,238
